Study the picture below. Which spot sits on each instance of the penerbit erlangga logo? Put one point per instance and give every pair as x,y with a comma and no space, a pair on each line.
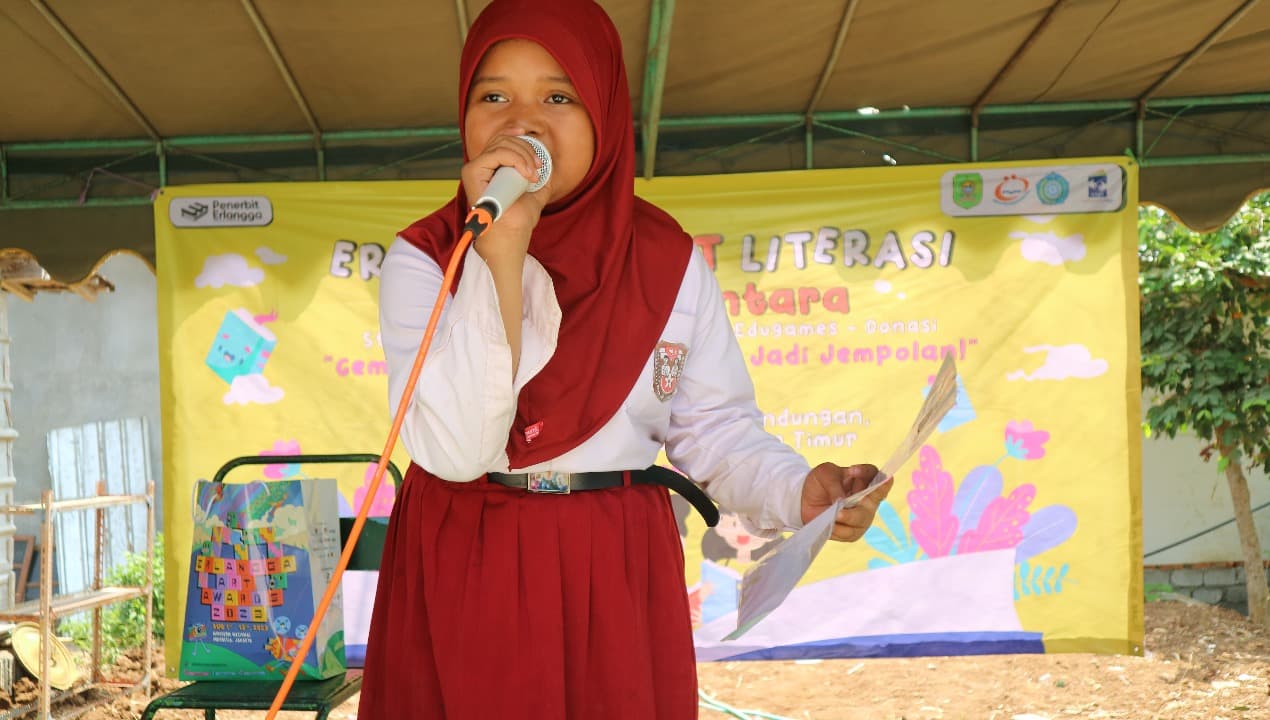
210,212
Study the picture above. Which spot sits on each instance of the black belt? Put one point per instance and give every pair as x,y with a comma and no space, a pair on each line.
561,483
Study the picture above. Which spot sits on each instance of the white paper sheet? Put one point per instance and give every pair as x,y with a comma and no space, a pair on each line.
768,582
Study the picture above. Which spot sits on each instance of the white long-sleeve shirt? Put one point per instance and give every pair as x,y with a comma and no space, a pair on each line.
463,406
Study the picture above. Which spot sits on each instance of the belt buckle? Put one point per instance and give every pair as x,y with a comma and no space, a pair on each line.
552,482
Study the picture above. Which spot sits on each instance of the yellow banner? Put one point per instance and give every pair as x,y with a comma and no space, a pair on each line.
1015,528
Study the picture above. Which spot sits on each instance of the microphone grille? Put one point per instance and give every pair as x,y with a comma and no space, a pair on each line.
544,157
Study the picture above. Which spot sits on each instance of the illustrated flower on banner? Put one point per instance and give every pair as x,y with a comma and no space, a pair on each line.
282,471
948,519
976,515
1022,442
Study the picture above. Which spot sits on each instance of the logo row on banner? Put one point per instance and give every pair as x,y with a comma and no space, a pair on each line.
1045,190
1048,190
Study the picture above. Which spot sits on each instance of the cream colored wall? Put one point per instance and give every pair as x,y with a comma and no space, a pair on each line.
76,362
1182,495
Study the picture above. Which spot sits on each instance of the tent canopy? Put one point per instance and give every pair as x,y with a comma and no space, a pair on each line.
113,100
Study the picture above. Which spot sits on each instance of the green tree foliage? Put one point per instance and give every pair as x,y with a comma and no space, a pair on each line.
123,624
1205,350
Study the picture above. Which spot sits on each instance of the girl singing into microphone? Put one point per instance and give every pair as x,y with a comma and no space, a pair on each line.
533,567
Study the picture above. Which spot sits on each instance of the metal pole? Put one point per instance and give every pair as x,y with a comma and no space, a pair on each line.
4,177
1014,59
1190,160
1210,100
149,596
99,570
46,605
848,13
236,166
460,9
162,154
280,64
750,141
86,145
710,122
96,67
1207,42
409,158
884,141
1138,130
660,17
1067,131
75,203
1164,130
699,122
244,140
337,136
809,142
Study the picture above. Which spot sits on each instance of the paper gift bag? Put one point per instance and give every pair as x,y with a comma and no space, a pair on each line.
262,556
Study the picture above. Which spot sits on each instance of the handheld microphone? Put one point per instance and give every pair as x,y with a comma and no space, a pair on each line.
508,184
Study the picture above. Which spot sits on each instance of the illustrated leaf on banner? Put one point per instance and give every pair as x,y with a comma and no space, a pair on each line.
931,500
1001,526
979,488
1036,580
1048,527
894,542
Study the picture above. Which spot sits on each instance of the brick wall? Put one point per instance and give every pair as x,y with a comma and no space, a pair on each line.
1222,584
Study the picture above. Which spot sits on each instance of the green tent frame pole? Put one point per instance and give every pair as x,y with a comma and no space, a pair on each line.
75,203
247,141
416,156
1138,131
1142,153
892,143
67,180
1001,155
809,143
1191,160
1174,161
660,17
429,133
705,122
748,141
651,124
274,176
162,153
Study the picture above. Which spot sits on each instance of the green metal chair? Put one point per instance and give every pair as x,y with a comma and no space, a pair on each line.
322,696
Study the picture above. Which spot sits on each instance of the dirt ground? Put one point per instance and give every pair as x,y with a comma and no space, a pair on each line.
1201,663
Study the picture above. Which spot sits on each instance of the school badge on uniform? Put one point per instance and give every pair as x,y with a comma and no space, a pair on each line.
668,365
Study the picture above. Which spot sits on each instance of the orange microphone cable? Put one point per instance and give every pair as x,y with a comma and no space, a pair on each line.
478,220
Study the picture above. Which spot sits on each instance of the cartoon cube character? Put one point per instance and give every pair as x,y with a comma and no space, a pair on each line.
242,346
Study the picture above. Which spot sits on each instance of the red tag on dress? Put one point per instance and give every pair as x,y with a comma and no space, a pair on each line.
533,431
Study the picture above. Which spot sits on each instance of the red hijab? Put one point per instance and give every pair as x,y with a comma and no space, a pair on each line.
616,261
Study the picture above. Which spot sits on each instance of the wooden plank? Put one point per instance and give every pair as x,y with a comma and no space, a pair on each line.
87,503
70,604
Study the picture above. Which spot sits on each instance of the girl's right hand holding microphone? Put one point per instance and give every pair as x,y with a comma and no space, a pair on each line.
508,239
